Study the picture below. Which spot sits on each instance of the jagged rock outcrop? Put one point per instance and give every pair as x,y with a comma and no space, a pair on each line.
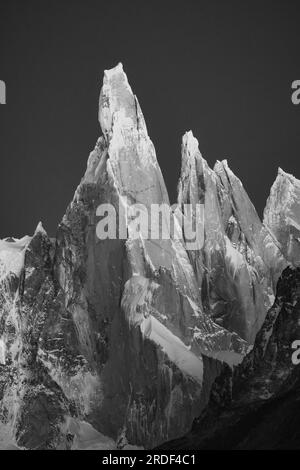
282,215
240,262
109,333
256,406
115,341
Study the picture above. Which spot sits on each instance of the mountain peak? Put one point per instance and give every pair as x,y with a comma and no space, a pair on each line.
40,229
114,70
117,103
190,143
282,214
287,176
223,166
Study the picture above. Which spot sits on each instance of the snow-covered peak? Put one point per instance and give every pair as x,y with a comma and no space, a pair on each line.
221,164
192,160
289,176
284,193
193,166
190,144
118,69
237,246
126,152
40,229
223,170
117,103
282,214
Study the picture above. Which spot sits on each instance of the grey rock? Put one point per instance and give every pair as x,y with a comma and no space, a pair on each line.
238,267
117,342
256,406
282,215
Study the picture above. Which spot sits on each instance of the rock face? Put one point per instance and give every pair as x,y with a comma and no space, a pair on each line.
282,215
111,342
256,406
240,262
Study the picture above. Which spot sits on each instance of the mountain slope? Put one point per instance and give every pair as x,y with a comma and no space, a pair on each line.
256,406
107,332
112,340
240,262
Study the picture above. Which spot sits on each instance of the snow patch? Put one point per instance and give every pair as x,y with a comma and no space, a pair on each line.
12,256
2,351
175,349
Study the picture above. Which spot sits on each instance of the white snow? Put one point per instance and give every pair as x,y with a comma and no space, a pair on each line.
289,176
2,351
12,256
191,143
231,358
40,228
293,223
175,349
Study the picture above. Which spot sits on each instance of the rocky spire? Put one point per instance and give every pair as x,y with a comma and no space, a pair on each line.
240,262
132,159
282,215
111,333
117,104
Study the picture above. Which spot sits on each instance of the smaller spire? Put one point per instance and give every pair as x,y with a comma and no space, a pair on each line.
40,229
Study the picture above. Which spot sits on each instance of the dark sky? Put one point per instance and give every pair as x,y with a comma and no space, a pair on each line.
221,68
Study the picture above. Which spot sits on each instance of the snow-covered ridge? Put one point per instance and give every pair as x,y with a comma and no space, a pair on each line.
282,215
12,255
289,176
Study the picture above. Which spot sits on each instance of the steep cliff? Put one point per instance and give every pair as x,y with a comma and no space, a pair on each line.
240,262
282,215
111,337
256,406
107,332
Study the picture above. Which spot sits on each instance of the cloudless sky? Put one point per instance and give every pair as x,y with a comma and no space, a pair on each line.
221,68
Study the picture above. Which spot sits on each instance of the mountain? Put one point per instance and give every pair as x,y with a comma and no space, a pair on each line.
282,215
240,262
112,336
256,406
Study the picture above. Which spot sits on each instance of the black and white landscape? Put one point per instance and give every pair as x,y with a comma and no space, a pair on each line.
122,344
